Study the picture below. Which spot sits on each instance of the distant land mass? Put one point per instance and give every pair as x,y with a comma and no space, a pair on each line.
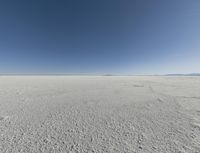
86,74
190,74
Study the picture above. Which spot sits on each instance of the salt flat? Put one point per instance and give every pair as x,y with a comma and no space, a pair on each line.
125,114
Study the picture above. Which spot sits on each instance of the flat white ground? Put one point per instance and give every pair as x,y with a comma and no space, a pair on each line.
99,114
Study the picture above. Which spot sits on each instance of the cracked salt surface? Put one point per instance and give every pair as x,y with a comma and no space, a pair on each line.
99,114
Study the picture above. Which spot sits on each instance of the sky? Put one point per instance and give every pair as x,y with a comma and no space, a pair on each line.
99,36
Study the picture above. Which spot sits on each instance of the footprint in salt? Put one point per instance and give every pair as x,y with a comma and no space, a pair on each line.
4,118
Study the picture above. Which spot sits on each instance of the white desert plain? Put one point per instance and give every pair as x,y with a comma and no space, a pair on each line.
99,114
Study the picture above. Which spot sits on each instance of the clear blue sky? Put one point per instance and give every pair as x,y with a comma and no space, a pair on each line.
100,36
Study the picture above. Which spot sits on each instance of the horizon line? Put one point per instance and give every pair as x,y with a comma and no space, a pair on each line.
90,74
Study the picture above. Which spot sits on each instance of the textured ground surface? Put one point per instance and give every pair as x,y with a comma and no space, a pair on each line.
99,114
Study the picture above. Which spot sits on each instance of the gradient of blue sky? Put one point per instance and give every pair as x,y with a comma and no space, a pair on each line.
100,36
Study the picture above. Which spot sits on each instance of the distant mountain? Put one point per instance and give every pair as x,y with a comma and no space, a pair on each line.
190,74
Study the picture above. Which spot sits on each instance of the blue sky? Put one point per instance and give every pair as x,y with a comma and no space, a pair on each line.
98,37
